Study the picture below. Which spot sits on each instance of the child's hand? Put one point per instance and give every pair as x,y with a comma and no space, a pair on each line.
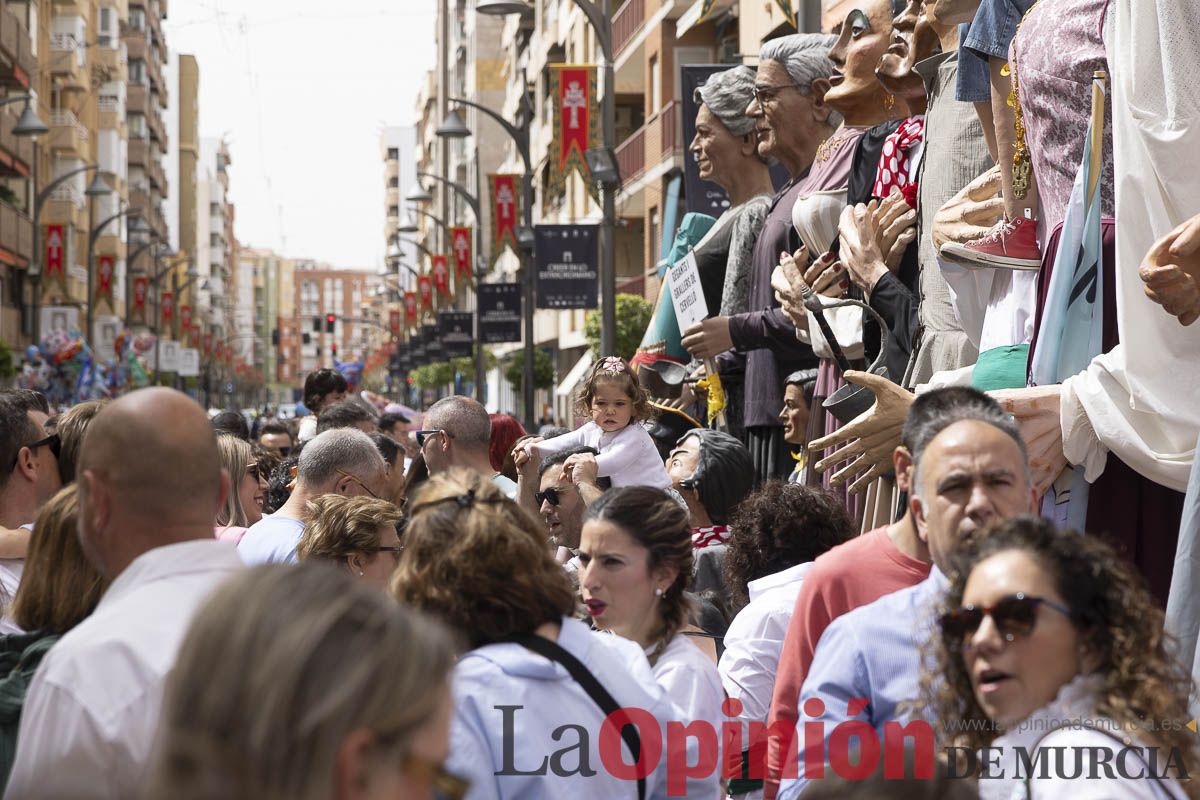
581,469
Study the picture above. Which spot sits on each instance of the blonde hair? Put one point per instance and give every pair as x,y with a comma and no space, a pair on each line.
59,587
277,670
339,526
235,455
478,561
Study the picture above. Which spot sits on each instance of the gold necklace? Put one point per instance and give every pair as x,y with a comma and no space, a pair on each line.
1022,165
827,148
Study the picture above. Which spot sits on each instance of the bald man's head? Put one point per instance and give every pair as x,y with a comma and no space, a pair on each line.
154,456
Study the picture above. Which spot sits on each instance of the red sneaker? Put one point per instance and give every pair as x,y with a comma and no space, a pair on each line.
1010,244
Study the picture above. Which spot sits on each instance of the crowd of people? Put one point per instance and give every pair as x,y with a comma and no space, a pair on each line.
956,592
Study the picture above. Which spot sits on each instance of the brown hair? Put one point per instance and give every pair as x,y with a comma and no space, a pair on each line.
339,526
477,560
654,520
277,669
59,587
70,426
1119,626
236,454
617,371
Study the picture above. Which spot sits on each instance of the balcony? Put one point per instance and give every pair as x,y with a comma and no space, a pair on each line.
628,20
16,152
137,98
139,150
154,123
16,236
64,62
154,172
656,142
68,137
631,156
16,54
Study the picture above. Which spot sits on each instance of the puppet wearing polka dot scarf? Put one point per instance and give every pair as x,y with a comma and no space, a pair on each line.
895,161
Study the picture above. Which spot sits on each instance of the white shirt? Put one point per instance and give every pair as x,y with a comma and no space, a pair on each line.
541,698
11,570
627,457
691,680
271,540
506,485
92,710
755,640
308,428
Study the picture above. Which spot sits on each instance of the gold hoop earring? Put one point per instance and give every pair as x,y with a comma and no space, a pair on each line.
889,101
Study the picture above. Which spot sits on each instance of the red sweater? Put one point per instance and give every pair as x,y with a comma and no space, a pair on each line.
850,575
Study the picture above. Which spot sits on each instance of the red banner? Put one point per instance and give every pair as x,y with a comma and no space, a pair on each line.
141,285
185,319
505,210
394,321
194,336
574,109
56,253
441,275
425,290
410,309
105,268
460,245
166,302
208,343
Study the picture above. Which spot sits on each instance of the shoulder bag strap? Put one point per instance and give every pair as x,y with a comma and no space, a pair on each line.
583,676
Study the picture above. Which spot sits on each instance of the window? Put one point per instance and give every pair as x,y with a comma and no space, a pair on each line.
652,236
108,35
137,71
655,85
137,19
393,211
137,126
393,153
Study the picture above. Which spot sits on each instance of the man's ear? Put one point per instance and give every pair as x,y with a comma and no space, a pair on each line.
902,464
749,145
821,110
917,509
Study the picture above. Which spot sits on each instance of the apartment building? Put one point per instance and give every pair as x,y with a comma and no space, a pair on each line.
146,100
213,257
306,342
397,146
18,70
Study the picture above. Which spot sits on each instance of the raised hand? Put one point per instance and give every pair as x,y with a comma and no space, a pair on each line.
869,440
1171,272
708,338
971,213
861,252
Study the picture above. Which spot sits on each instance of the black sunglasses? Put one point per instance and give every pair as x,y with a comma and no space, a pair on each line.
1015,616
423,435
553,495
52,441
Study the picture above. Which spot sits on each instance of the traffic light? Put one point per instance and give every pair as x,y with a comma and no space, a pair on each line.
316,324
333,349
330,319
275,337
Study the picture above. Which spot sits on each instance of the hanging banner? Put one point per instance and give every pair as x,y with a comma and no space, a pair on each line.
105,270
394,321
441,275
455,332
433,346
208,344
460,246
55,256
410,309
499,312
166,304
169,352
576,122
185,321
189,362
141,286
567,257
505,199
425,292
194,336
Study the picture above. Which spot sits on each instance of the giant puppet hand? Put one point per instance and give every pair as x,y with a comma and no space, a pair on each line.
896,222
1171,272
789,280
708,338
874,237
1036,409
868,441
971,213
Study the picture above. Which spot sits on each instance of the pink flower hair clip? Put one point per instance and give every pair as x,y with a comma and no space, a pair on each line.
611,364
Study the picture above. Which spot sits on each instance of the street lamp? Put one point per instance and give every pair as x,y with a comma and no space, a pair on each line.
598,13
453,128
436,219
418,194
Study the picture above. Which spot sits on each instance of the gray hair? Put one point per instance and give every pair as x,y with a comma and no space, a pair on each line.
933,412
347,449
727,94
464,419
805,56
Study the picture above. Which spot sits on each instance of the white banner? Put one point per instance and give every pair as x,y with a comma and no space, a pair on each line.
169,352
189,362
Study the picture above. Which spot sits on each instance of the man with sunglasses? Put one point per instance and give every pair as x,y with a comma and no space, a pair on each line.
275,437
342,461
30,478
456,434
970,470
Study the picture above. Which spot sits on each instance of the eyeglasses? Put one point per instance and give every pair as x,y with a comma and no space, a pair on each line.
764,94
553,495
52,441
253,471
446,784
1015,616
423,435
395,550
357,480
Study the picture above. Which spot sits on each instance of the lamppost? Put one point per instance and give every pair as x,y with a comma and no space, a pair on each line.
29,124
600,161
98,189
454,128
159,274
138,228
436,219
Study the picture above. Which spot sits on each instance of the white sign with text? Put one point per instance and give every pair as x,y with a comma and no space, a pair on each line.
687,295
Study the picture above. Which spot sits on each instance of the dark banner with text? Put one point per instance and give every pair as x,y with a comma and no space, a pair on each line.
455,332
499,312
567,262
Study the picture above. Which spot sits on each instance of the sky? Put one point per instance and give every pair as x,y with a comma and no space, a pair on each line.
301,91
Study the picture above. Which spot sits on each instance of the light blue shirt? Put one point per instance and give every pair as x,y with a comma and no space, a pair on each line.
870,654
271,540
514,710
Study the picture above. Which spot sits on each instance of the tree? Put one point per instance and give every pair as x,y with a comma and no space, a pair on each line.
543,369
633,315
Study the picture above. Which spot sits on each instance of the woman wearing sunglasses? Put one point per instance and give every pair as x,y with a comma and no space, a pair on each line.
1050,640
248,488
297,683
357,534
